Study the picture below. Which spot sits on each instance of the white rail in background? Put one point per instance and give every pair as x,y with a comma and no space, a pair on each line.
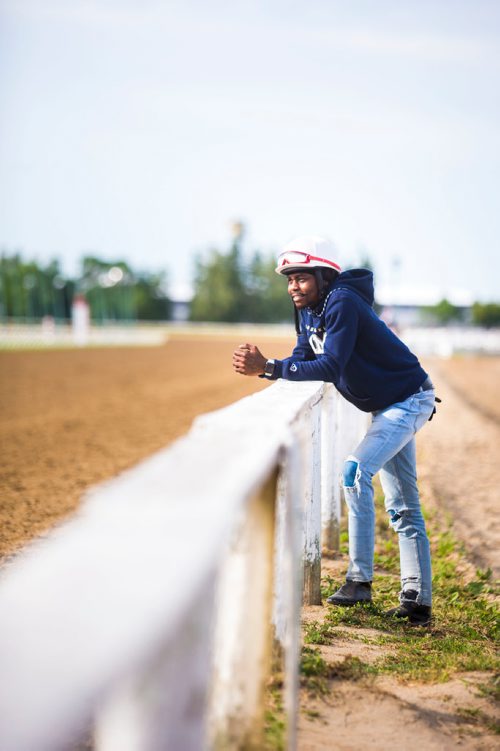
149,616
439,341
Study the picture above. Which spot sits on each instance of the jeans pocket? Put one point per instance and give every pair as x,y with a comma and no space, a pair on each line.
425,401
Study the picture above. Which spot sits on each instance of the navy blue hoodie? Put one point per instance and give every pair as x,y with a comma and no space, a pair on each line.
344,342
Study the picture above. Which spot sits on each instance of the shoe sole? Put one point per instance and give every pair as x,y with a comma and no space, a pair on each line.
408,622
348,603
422,624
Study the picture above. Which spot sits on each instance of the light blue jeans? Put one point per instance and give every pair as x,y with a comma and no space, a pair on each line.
389,448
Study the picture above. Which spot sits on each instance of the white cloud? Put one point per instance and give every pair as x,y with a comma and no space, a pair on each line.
429,47
325,35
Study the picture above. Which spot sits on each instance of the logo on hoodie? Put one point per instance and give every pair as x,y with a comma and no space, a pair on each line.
317,343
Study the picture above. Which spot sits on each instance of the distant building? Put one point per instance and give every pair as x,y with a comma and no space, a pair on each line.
403,316
403,305
180,310
181,296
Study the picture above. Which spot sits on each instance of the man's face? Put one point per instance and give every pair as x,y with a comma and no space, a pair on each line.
303,289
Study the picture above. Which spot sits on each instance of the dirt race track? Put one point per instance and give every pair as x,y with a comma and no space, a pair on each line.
459,454
71,418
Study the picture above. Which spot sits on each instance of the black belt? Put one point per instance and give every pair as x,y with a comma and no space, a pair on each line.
426,386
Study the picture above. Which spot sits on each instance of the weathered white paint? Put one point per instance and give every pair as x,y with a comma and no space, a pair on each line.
243,630
330,459
292,574
111,618
311,442
288,576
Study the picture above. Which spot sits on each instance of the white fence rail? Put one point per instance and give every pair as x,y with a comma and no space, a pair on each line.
450,340
49,334
435,341
148,618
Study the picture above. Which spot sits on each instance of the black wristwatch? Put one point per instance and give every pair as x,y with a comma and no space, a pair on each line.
269,368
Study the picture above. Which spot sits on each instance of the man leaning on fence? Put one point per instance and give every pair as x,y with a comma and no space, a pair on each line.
340,339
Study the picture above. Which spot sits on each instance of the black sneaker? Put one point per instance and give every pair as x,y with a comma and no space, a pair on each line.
351,593
415,615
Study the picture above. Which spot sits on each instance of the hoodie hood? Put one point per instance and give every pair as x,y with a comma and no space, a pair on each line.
359,281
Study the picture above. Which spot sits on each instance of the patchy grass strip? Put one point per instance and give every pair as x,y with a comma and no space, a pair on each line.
465,629
463,637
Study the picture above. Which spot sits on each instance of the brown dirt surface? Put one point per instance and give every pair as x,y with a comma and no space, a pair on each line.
459,453
72,418
388,716
476,380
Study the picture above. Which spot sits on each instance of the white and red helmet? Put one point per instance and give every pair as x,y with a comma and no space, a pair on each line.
307,253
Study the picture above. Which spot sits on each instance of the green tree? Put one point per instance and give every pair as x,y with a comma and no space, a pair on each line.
486,314
116,293
227,289
270,301
151,301
220,293
444,312
30,290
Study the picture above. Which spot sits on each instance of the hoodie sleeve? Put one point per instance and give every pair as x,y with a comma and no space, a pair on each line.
302,349
341,330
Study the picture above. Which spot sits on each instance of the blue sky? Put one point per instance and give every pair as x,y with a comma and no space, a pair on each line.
140,130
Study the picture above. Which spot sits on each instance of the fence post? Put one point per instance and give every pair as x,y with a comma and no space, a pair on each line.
311,448
330,489
243,635
288,580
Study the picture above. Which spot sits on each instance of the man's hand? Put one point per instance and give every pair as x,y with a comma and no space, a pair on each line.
248,360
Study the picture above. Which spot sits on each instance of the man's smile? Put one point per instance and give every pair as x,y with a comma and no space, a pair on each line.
303,289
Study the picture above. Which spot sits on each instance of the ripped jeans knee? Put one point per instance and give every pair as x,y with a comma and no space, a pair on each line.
394,518
351,473
407,522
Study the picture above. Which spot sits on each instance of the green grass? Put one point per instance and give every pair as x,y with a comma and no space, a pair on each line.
274,729
473,715
316,672
465,628
275,716
491,688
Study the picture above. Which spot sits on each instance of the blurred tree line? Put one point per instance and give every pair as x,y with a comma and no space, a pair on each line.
30,291
445,313
227,288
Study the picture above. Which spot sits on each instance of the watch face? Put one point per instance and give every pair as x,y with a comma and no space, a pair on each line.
269,368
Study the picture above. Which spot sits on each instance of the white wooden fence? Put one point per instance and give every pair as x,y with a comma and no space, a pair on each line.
147,620
450,340
440,341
